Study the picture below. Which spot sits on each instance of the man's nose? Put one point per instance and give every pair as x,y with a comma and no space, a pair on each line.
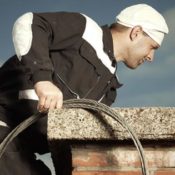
150,56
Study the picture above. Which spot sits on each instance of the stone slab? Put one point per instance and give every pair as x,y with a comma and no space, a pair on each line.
149,123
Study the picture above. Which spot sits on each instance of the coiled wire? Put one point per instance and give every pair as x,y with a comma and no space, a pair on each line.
85,104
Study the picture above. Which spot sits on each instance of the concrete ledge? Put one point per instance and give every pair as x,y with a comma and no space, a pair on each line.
149,123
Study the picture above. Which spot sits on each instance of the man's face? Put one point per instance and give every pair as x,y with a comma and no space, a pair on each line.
141,49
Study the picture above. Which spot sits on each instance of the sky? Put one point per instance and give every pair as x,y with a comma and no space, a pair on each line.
152,84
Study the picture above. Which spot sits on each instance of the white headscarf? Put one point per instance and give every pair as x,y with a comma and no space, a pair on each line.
152,22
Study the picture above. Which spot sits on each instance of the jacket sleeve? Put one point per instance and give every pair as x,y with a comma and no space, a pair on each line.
36,34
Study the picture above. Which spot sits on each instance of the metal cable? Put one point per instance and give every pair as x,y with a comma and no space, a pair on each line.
85,104
18,129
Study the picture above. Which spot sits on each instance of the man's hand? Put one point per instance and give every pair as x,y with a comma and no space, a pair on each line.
50,97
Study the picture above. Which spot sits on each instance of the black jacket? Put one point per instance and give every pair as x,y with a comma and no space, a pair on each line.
69,49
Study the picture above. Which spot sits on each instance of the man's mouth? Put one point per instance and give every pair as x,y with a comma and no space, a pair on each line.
142,61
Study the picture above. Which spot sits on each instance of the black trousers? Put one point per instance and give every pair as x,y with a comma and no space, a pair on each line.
19,158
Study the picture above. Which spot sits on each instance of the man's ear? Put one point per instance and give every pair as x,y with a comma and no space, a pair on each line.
135,32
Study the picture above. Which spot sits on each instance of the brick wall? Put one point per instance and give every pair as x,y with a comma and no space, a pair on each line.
122,160
153,125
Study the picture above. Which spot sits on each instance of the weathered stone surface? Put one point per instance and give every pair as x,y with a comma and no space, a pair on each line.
150,123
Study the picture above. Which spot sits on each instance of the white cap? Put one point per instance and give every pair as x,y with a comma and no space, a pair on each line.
152,22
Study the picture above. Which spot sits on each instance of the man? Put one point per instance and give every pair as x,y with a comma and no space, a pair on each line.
68,55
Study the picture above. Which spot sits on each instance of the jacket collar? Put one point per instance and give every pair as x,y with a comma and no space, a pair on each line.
108,44
108,48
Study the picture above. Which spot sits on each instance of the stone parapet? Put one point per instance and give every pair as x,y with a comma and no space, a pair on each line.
149,123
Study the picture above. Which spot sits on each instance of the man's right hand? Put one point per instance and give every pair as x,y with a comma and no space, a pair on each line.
50,96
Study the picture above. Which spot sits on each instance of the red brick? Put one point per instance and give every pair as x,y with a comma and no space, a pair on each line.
106,173
170,171
90,159
117,158
124,157
160,158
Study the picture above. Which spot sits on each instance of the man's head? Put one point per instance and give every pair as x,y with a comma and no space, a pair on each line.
146,30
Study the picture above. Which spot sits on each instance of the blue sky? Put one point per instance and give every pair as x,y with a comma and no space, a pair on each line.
152,84
149,85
